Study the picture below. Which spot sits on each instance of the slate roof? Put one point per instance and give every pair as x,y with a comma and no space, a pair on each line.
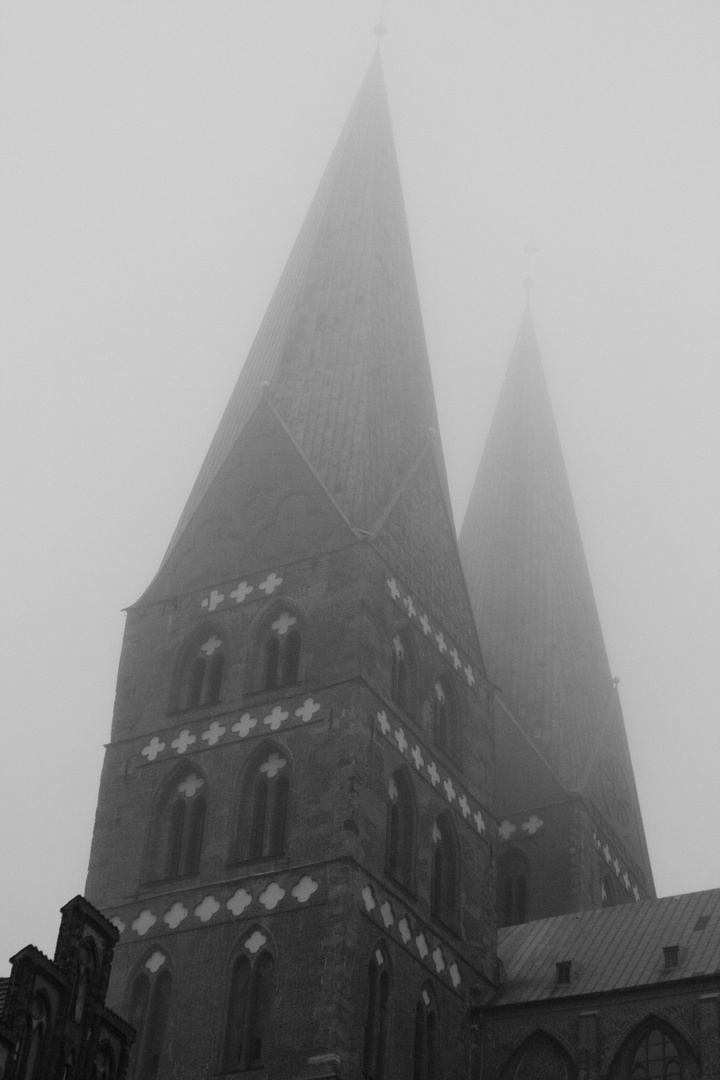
342,345
611,948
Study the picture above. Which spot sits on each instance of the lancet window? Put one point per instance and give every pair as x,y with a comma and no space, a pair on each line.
248,1012
201,671
401,829
178,825
403,672
445,715
281,651
148,1013
263,807
512,889
377,1024
425,1048
445,871
35,1039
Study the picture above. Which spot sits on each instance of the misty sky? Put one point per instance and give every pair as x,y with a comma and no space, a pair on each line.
158,158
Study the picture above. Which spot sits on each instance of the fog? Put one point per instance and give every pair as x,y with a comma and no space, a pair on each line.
158,159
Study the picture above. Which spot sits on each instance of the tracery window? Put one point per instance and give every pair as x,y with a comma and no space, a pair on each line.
201,670
512,889
248,1012
281,652
35,1039
656,1058
445,871
425,1047
177,831
377,1024
401,831
445,715
263,806
148,1014
403,672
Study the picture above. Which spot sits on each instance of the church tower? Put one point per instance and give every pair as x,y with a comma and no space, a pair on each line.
571,834
295,831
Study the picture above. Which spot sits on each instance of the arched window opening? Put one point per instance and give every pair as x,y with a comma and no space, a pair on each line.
36,1029
85,975
202,667
512,889
607,892
402,685
149,1012
281,652
178,827
262,820
445,715
103,1064
445,872
539,1057
248,1012
402,817
377,1024
656,1058
425,1048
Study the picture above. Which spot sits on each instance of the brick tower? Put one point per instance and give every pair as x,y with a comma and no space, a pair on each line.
294,832
571,835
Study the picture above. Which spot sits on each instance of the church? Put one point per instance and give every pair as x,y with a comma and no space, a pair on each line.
368,808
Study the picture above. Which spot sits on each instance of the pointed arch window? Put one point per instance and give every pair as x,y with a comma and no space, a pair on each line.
248,1011
656,1058
512,888
103,1064
35,1039
264,802
281,652
425,1046
401,829
178,826
85,977
403,672
148,1013
607,892
445,715
445,871
201,671
377,1023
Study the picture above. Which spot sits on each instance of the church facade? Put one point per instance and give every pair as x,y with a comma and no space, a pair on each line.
345,751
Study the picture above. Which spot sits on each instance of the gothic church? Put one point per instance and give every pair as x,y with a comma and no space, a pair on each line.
368,808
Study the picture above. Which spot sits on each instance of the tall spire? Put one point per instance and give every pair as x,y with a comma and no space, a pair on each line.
533,600
341,350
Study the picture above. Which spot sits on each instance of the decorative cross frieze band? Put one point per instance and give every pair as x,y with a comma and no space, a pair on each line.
235,592
412,609
617,867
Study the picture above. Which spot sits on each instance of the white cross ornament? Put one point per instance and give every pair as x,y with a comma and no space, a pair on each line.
433,774
439,960
211,602
425,623
211,645
401,740
213,733
273,765
441,644
393,587
398,647
175,915
155,962
392,789
183,740
409,606
479,821
144,921
418,758
275,718
255,942
439,692
239,901
283,623
464,806
636,893
304,889
207,908
271,896
532,825
606,853
386,912
153,748
190,785
626,880
436,834
449,790
271,583
241,593
368,898
506,830
422,947
404,928
455,657
454,975
383,722
469,675
307,710
244,724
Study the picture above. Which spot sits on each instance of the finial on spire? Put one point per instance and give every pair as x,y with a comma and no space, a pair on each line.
379,29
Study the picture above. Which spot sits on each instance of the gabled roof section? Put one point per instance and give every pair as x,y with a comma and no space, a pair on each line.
341,347
613,948
527,575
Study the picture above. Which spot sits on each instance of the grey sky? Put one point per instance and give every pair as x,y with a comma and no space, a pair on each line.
158,160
